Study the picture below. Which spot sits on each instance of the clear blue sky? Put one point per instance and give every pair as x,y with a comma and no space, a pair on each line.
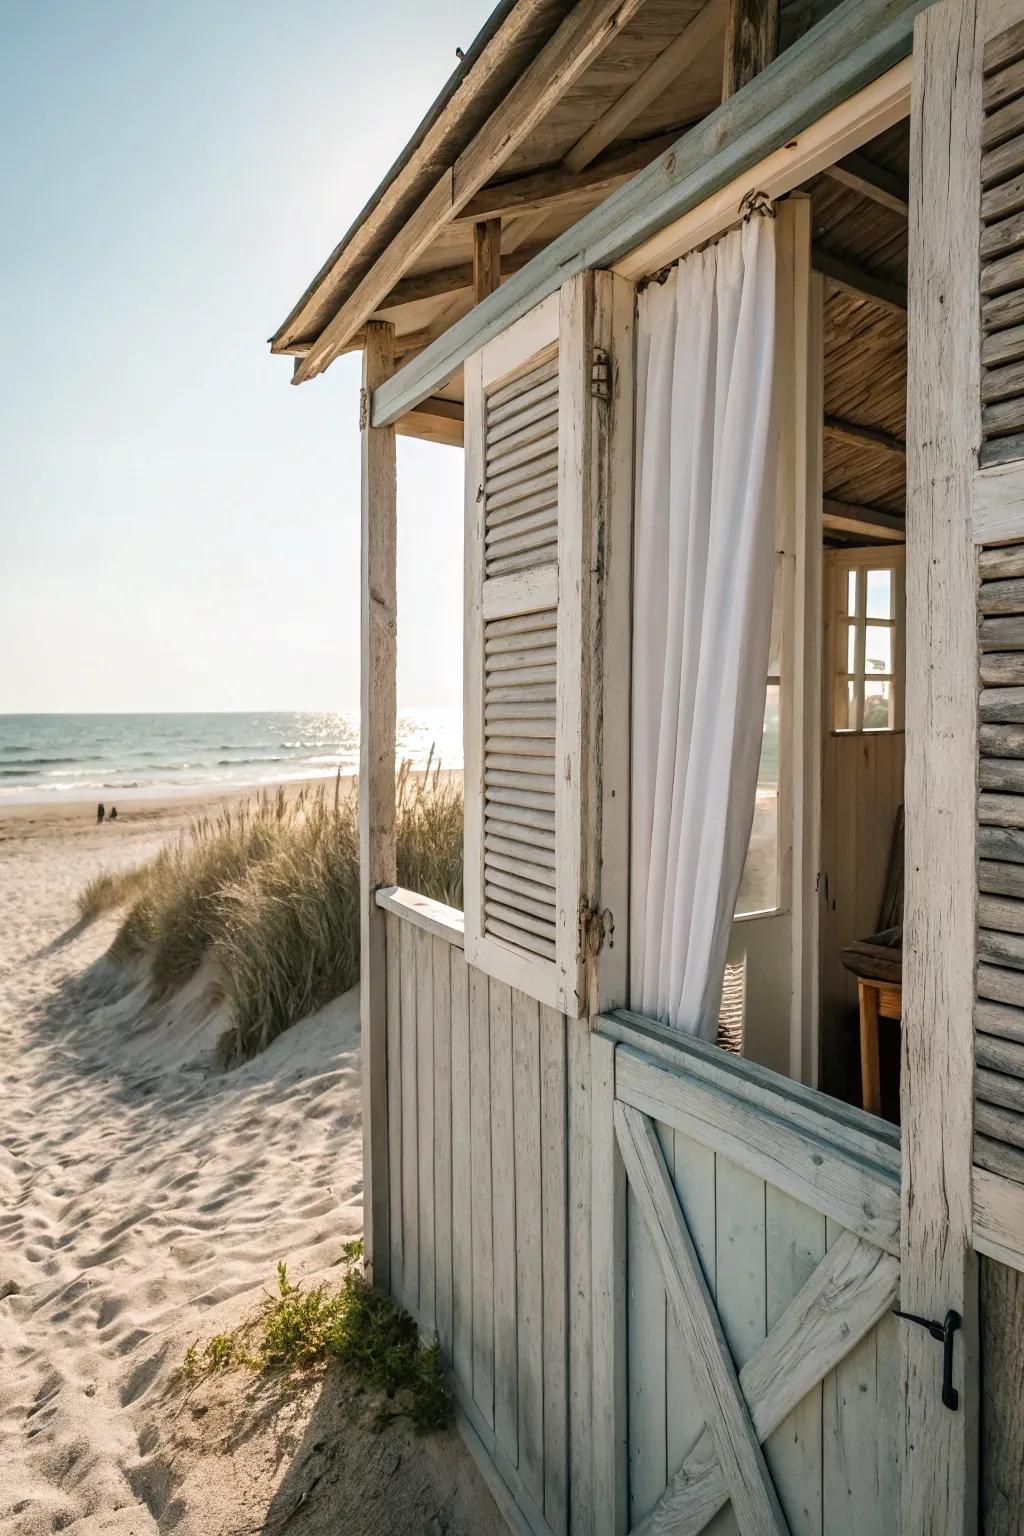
178,525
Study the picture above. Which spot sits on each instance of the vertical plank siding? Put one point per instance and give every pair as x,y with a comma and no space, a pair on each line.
488,1091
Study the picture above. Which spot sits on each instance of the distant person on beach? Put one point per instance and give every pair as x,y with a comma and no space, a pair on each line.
100,812
113,813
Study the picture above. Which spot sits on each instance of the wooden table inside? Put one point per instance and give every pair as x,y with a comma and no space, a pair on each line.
878,1000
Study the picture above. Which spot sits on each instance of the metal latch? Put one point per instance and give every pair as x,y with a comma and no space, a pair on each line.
943,1333
600,375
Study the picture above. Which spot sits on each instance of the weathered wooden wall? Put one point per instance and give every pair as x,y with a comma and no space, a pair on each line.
489,1165
862,787
1002,1399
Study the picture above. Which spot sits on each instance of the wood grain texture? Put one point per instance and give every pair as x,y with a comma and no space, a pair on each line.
462,1207
852,1287
751,42
845,50
736,1444
938,1448
394,1047
378,661
580,1168
608,1271
503,1209
1002,1401
555,1227
529,1249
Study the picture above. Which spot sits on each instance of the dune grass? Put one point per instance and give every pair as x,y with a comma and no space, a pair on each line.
270,891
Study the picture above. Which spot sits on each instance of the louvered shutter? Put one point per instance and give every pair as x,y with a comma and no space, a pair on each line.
537,498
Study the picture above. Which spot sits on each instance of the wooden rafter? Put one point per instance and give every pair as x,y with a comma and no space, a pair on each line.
444,280
854,435
486,258
856,280
863,176
661,72
863,522
556,187
585,33
435,420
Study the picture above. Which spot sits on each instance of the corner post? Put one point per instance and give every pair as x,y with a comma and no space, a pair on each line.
751,42
938,1272
377,864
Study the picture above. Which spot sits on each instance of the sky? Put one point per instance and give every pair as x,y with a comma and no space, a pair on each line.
179,527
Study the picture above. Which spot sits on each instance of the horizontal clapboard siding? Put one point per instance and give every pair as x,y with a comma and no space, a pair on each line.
1002,249
999,1011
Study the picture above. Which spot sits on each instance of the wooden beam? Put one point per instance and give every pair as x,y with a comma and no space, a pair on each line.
377,863
434,420
486,258
863,176
446,280
751,42
587,30
864,522
863,285
809,91
661,72
852,435
557,187
937,1450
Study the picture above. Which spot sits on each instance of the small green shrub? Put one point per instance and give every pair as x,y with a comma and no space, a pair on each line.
371,1339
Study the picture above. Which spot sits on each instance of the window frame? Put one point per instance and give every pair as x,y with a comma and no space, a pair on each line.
859,560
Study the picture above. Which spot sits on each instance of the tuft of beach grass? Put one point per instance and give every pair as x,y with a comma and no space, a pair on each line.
270,890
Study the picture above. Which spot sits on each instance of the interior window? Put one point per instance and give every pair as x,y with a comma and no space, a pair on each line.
867,693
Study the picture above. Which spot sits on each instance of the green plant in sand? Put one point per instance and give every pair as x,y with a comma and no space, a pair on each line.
369,1337
270,891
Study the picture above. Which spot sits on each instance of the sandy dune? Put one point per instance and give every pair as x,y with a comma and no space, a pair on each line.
145,1199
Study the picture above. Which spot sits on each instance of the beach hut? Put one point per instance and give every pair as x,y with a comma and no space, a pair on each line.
725,304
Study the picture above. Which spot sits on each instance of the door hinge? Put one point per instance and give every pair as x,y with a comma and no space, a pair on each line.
601,375
594,929
943,1332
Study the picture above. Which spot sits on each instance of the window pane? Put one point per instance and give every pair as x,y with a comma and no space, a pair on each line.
851,593
878,649
877,706
759,889
879,595
849,722
851,647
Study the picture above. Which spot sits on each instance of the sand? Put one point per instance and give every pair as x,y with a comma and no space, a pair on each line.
145,1199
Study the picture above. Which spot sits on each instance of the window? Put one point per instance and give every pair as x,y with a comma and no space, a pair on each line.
759,888
867,652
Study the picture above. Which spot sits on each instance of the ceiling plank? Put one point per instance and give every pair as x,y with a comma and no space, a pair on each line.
587,30
659,74
864,177
853,435
549,189
865,285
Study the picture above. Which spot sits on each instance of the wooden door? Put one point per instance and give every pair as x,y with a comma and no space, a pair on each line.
760,1238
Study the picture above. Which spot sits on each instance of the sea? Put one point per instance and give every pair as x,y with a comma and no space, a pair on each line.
110,757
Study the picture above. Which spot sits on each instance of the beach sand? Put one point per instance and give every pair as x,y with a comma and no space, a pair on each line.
145,1200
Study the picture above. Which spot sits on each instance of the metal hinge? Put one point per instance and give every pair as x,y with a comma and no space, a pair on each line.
594,927
943,1332
601,375
364,409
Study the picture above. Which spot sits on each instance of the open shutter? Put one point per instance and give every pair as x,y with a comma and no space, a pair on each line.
545,483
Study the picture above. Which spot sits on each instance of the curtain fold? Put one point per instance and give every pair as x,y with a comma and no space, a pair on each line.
702,603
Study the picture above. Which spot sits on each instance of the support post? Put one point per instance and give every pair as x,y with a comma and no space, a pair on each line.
751,42
938,1272
377,867
486,258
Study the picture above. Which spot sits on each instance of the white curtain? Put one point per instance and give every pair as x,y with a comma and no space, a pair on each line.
703,563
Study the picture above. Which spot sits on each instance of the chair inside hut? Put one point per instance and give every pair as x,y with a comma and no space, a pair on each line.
849,722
